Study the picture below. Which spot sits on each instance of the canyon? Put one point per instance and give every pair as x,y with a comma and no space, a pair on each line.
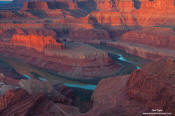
87,57
104,20
75,60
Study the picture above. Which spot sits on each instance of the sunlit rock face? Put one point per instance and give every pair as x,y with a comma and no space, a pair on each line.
156,37
157,12
80,61
105,12
115,5
130,5
76,60
37,42
130,12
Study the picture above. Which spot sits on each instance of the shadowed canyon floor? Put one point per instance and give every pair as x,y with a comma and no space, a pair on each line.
87,57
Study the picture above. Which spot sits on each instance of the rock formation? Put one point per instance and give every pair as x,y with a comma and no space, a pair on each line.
150,43
76,60
156,37
46,5
35,35
152,87
124,12
37,42
38,5
110,98
19,102
115,5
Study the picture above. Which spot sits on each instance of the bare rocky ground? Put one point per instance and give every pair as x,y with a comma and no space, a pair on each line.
39,56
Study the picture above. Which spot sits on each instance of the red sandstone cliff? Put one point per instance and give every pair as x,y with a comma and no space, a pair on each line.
37,42
152,87
115,5
76,60
128,12
156,37
111,12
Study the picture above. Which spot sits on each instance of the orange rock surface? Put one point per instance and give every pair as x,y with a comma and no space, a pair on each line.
128,12
156,37
75,61
34,41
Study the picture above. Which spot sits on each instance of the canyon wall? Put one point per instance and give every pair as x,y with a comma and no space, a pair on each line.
76,61
115,5
143,51
111,20
154,85
151,87
107,12
39,43
157,12
20,102
156,37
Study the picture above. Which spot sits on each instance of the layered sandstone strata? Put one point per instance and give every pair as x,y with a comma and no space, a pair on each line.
152,87
150,43
78,61
143,51
19,102
81,60
117,5
130,12
111,12
126,13
37,42
110,98
156,37
129,5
